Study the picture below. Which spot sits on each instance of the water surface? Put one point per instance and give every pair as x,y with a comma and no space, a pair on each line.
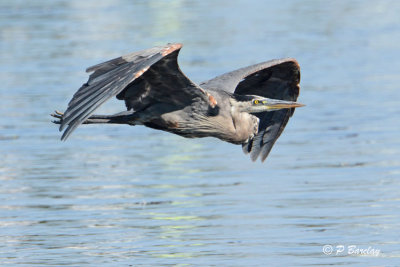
119,195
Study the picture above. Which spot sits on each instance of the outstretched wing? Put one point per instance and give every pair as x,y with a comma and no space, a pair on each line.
138,78
277,79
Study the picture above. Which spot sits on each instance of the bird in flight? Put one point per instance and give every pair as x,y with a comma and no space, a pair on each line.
249,106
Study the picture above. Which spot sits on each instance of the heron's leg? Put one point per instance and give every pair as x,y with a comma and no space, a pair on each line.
125,117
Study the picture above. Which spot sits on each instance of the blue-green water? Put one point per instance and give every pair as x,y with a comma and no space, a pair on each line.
120,195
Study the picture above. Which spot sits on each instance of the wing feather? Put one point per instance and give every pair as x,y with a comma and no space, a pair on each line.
115,76
100,90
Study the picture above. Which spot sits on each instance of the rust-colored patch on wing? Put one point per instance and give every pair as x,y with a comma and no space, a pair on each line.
140,72
212,100
171,48
172,124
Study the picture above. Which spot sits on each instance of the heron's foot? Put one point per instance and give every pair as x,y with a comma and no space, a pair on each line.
58,115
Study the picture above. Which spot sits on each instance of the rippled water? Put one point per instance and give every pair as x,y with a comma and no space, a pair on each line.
119,195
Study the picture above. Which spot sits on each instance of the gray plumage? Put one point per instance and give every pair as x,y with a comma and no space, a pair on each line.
249,106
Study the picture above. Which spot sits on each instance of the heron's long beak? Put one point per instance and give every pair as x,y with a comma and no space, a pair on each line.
275,104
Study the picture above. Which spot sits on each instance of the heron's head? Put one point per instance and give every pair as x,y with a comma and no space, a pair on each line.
256,104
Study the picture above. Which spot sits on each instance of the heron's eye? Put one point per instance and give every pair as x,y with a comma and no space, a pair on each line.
256,102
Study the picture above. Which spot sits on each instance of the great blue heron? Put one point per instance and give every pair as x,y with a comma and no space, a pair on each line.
249,106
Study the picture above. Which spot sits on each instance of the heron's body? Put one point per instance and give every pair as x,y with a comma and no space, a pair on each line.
224,122
249,106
